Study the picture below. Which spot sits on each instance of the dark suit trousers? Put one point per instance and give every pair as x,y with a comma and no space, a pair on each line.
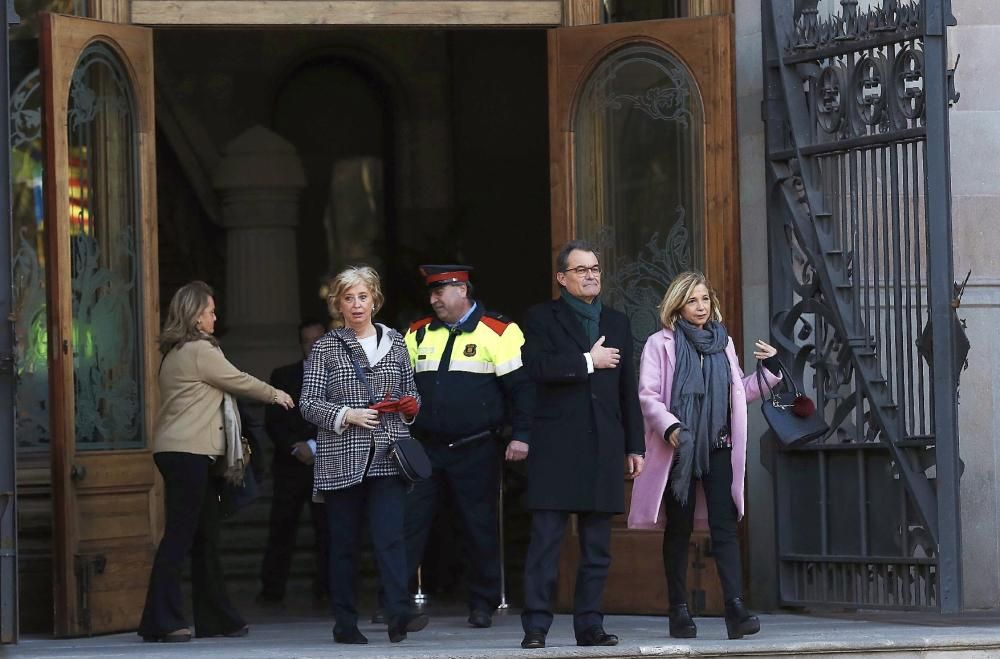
292,490
192,526
541,569
722,527
471,475
382,500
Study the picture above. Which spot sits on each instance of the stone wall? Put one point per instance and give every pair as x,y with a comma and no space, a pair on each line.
753,228
975,143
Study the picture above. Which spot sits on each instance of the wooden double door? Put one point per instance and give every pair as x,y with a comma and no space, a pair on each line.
642,131
642,164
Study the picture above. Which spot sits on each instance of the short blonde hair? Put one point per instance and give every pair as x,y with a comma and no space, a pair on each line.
680,291
347,279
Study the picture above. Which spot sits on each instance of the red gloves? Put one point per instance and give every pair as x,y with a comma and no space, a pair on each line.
385,406
408,405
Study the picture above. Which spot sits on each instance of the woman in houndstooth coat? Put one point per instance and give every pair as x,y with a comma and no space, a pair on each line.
358,421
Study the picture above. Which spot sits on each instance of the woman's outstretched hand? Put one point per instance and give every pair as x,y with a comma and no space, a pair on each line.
283,399
763,350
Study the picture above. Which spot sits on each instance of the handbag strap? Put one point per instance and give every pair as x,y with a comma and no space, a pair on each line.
358,371
786,377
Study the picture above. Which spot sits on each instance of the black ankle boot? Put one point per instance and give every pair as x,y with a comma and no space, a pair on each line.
739,622
410,622
681,624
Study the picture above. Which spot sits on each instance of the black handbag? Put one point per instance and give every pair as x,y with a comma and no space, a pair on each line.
791,414
408,454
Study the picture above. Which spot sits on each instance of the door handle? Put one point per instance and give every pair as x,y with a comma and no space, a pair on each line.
78,472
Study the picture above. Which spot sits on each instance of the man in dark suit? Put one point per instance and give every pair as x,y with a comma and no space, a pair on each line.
292,469
586,424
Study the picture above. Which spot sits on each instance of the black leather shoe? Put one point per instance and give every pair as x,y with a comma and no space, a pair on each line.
739,622
481,619
349,636
596,636
681,624
182,635
410,622
533,640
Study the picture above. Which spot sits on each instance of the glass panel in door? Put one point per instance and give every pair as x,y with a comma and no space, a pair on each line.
104,229
638,177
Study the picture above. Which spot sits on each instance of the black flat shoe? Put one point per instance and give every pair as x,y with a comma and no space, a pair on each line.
681,623
533,640
739,622
239,632
410,622
481,619
352,636
596,636
182,635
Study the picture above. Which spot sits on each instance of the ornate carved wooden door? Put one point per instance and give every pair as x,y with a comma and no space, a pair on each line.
642,126
101,288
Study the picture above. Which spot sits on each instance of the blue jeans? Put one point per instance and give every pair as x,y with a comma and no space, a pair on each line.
383,500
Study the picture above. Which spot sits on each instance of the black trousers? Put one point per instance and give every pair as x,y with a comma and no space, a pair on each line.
541,569
292,490
471,475
381,500
192,527
722,519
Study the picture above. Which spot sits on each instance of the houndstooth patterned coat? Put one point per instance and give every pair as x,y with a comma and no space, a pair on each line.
330,387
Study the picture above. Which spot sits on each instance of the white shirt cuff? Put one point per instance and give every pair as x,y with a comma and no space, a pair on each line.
590,362
312,445
340,422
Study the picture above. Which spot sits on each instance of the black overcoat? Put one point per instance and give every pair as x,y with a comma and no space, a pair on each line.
584,423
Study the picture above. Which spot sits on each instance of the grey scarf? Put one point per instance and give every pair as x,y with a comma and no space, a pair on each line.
699,399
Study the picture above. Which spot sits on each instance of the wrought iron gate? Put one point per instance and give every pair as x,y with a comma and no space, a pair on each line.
856,106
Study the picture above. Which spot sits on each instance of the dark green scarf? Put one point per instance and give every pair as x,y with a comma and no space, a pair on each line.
589,314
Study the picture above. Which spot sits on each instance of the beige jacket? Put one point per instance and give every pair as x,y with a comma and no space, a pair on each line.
192,379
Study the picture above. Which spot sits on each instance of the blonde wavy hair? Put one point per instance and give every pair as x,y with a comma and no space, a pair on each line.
680,291
181,325
347,279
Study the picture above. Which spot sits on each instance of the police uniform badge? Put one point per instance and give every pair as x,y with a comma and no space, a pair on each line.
470,350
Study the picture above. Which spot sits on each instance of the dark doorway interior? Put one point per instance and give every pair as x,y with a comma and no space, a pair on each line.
418,147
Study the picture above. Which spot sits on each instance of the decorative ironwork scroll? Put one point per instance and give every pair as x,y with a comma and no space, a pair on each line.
855,155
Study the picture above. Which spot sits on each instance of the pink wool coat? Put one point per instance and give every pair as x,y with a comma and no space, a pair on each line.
656,378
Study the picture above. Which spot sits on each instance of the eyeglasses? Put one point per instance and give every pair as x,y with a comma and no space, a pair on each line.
582,270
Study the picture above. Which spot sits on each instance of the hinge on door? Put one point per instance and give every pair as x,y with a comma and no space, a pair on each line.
86,566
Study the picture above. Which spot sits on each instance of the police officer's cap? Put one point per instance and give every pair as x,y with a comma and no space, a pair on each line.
442,275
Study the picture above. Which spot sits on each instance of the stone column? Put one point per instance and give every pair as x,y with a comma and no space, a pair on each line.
259,181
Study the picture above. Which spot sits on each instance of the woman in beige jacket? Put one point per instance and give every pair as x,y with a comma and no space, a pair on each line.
188,439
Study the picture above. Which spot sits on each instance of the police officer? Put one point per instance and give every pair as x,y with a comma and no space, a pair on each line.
467,365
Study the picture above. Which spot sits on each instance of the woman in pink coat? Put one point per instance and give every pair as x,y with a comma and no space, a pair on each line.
694,403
